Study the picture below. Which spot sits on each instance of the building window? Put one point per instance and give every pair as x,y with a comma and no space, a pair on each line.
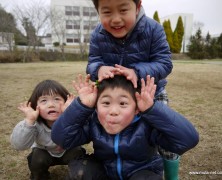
76,24
93,12
85,11
69,40
89,25
76,38
72,10
76,11
68,10
86,25
89,11
72,24
69,24
72,38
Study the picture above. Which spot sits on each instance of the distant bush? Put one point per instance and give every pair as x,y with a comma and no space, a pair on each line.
57,56
56,44
22,56
6,57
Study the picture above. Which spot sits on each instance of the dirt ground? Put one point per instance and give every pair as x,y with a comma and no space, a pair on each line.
194,89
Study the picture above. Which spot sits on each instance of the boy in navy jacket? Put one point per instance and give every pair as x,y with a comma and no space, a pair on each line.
125,125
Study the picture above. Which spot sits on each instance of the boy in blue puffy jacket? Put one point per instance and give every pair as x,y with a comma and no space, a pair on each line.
127,39
126,127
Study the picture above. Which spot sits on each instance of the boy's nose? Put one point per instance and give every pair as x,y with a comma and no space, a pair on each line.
114,111
116,18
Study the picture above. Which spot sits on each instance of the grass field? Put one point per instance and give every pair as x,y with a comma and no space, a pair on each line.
194,88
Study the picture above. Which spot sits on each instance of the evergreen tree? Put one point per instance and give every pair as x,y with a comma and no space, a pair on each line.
169,33
8,25
219,48
196,46
180,32
30,31
213,49
156,17
176,47
207,46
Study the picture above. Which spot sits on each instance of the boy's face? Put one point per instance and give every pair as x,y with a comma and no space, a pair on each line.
116,109
118,17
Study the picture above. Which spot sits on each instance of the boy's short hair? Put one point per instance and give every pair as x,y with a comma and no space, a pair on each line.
118,81
96,3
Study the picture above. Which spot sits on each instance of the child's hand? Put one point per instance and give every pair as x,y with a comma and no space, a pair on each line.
146,97
106,72
128,73
31,115
69,100
87,92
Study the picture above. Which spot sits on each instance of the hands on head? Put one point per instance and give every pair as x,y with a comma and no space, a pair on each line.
106,72
88,92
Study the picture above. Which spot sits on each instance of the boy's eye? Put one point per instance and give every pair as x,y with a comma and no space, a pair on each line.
105,103
106,12
123,10
123,103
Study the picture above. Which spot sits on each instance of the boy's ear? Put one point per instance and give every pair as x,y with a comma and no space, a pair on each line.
137,111
138,7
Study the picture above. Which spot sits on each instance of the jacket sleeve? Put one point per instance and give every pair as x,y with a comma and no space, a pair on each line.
23,136
95,59
158,63
172,131
71,128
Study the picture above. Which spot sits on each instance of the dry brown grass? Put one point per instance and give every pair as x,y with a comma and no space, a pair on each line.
195,90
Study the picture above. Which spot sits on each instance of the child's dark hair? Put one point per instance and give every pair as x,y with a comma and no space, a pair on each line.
117,81
47,87
96,3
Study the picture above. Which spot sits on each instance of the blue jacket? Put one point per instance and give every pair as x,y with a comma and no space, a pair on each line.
145,50
133,149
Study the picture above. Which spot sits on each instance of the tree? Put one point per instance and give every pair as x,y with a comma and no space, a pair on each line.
176,46
30,32
213,49
7,28
219,42
169,33
58,24
33,20
156,17
180,32
196,46
207,45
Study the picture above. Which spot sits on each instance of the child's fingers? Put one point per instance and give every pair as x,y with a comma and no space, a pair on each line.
153,91
80,79
138,97
87,78
76,86
142,85
149,83
29,104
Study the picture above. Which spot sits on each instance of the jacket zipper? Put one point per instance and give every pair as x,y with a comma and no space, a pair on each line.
119,164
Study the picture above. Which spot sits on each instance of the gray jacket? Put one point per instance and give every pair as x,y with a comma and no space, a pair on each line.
25,136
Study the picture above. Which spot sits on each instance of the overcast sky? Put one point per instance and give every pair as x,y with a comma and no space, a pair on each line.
207,12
